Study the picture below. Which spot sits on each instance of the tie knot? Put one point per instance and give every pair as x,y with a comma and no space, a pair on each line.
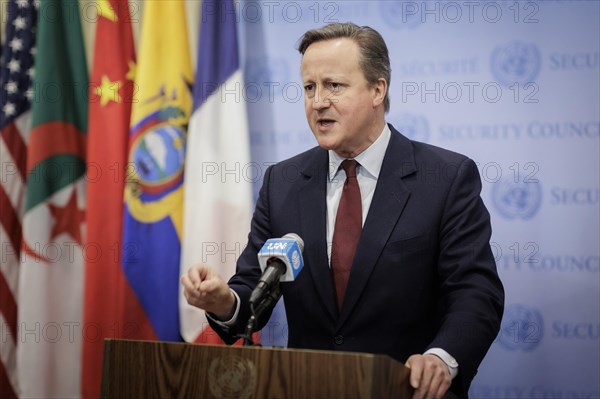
349,166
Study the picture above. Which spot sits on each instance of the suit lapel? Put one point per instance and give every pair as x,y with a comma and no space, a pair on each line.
313,219
388,202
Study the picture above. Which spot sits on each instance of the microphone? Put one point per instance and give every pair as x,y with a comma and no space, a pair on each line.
280,259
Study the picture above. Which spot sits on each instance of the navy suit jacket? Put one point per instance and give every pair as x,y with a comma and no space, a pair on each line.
423,275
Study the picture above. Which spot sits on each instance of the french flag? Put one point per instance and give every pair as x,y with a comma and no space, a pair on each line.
218,190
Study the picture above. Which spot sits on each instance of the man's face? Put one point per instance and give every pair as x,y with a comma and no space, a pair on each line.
344,112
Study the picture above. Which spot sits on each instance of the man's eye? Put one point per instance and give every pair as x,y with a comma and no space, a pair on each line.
309,87
335,86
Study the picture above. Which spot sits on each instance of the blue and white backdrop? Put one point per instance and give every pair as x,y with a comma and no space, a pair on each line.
515,86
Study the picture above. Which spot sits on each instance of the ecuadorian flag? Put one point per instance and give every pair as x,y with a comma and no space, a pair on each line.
153,212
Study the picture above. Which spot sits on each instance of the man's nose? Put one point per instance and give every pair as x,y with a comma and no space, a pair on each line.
320,100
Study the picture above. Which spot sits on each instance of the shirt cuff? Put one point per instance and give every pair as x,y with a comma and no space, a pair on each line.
230,322
446,358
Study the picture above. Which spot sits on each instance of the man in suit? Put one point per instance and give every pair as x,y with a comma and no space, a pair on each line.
397,255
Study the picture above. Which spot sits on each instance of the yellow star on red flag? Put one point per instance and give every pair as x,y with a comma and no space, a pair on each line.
108,91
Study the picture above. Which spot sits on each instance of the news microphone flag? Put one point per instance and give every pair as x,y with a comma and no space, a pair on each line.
289,250
280,260
218,192
152,226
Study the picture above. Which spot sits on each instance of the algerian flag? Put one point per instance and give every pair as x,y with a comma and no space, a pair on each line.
51,279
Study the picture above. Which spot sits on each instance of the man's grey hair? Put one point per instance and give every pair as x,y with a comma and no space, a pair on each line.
374,59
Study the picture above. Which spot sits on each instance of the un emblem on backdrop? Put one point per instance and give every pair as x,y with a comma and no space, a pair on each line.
400,14
516,62
517,200
415,127
522,328
267,74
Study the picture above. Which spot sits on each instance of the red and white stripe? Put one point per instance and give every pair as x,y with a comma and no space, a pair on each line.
13,152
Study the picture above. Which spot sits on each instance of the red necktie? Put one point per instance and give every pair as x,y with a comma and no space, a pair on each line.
348,225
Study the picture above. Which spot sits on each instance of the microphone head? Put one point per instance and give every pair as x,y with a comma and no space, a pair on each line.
287,250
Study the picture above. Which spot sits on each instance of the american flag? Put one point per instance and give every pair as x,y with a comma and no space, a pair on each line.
16,95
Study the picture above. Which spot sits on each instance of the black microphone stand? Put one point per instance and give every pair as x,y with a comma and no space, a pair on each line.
257,310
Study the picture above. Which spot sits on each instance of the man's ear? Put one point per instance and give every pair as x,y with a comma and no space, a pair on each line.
379,90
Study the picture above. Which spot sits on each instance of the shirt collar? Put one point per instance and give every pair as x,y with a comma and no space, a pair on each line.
370,159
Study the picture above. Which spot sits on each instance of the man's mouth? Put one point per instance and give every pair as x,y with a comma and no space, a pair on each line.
325,122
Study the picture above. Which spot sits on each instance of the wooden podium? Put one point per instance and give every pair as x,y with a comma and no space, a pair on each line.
145,369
